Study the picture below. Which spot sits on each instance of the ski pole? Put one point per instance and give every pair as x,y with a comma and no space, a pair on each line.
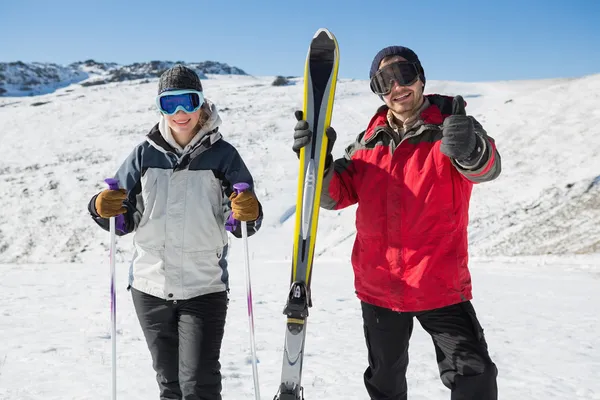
240,187
114,223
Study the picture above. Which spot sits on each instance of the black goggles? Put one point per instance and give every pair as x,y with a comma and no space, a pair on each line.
402,72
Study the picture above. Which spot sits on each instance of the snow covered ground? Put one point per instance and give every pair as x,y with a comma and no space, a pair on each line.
540,319
534,233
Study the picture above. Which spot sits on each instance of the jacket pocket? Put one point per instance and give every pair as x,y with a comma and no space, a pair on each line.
204,270
203,222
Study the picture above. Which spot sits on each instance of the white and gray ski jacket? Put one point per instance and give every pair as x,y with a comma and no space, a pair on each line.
177,204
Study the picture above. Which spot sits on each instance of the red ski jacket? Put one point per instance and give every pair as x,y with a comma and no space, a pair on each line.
411,250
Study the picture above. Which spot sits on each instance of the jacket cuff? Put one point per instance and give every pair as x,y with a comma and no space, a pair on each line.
477,157
92,207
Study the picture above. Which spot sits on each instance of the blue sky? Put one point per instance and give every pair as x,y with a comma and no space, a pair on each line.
464,40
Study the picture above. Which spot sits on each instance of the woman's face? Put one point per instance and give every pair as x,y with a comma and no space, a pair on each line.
183,124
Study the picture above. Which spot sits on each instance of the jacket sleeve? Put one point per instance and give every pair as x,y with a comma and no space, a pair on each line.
129,176
235,172
486,165
338,181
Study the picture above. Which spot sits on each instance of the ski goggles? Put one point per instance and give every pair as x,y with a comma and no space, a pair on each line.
172,101
402,72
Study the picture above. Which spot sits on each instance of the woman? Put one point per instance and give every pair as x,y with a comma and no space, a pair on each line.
177,198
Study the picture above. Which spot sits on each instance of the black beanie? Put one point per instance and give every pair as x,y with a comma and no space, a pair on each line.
401,51
179,77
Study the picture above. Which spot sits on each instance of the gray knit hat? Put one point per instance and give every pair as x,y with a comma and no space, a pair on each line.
179,77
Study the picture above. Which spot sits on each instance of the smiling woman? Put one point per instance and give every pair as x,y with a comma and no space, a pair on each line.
184,172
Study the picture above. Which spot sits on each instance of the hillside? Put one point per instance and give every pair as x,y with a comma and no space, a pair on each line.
62,145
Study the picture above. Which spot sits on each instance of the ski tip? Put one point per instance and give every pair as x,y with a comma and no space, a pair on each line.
287,214
324,33
323,41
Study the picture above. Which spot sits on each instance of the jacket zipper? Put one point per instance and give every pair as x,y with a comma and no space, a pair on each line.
393,146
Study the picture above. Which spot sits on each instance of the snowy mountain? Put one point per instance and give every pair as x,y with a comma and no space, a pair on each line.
18,78
26,79
534,232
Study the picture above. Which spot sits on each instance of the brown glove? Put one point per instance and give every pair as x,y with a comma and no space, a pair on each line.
244,206
109,203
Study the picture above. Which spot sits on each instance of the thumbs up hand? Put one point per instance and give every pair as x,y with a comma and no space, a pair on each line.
459,140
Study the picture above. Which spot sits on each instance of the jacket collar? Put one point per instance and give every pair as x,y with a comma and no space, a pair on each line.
440,107
162,138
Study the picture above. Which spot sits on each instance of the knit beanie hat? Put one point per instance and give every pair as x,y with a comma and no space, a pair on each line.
179,77
401,51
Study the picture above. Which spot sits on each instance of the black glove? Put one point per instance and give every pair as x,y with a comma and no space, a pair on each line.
459,140
302,135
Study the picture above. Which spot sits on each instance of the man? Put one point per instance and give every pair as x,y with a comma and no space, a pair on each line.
411,172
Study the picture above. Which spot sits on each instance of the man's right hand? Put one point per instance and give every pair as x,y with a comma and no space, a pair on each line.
303,135
109,203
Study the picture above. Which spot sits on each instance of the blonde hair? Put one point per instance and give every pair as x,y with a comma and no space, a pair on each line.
205,115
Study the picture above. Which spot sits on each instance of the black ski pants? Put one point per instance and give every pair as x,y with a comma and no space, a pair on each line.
460,347
184,338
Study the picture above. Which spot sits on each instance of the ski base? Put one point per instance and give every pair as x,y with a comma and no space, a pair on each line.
296,393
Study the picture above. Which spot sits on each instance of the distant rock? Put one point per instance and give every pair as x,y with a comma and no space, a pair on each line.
93,66
30,79
281,81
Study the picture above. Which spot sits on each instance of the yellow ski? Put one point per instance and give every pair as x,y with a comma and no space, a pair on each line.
320,77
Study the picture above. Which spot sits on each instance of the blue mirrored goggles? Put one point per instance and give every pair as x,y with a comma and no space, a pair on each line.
188,101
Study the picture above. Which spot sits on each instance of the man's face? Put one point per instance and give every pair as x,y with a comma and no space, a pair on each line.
403,100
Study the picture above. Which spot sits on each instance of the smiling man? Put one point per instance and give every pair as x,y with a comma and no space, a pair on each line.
411,173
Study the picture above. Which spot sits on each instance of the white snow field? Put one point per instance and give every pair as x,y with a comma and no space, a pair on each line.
534,234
